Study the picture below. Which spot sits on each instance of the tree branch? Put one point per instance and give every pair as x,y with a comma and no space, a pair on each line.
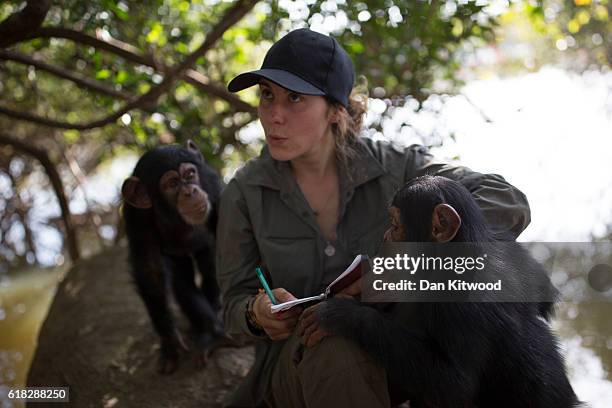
78,79
81,180
131,53
124,50
233,15
39,120
21,209
18,25
43,157
202,82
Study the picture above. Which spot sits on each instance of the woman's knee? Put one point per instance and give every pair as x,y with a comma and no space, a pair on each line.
334,355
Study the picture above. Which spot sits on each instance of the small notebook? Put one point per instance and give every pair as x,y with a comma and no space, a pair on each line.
354,271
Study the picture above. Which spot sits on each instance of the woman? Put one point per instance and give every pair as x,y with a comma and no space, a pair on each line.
313,200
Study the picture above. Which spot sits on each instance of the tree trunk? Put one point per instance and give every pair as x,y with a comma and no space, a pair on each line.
58,186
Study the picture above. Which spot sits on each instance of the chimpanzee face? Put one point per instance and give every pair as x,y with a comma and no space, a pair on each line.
396,232
172,178
443,227
181,190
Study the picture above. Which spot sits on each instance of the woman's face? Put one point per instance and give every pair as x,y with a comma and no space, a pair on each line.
296,125
396,232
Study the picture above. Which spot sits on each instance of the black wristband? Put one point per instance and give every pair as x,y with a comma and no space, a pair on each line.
251,320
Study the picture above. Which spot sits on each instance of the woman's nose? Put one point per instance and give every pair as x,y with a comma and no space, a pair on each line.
277,113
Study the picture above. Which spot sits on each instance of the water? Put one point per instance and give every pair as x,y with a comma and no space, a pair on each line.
25,297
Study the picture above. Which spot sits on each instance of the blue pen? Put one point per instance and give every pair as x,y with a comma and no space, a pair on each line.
261,277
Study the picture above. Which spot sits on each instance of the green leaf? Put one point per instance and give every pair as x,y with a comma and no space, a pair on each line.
156,35
182,48
71,136
121,77
355,47
103,74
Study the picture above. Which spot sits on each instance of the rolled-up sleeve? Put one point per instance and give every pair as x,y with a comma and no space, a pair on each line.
505,207
236,258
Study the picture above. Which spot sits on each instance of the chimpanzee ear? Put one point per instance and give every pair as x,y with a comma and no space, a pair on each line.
445,223
193,148
135,193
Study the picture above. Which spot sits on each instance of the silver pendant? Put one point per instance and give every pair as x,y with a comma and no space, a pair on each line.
330,250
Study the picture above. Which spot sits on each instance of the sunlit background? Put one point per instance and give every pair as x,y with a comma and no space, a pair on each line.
533,104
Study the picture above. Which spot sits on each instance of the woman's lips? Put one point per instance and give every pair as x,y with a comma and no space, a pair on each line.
276,140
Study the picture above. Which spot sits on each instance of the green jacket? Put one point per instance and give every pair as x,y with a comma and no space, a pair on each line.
265,218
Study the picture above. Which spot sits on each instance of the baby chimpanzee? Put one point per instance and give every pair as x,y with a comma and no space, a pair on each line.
461,354
170,213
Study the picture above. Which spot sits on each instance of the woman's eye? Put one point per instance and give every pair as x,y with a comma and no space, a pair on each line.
266,94
293,97
173,183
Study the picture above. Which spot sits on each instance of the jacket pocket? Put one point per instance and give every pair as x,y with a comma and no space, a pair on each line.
290,263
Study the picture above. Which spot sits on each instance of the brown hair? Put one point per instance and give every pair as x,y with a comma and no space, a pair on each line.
347,129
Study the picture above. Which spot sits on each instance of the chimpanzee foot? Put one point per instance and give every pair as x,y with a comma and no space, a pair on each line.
167,364
169,353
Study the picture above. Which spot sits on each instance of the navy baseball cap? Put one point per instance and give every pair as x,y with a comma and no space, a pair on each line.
305,62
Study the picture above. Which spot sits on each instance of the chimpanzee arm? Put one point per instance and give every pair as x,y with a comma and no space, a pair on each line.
206,265
197,308
442,359
151,279
152,282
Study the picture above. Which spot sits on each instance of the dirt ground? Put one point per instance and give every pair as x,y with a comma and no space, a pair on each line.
98,341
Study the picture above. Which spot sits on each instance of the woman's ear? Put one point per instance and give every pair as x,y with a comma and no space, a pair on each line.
445,223
334,113
333,117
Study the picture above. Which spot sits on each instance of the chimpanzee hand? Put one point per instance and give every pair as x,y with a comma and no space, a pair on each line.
351,291
309,328
338,316
169,353
278,326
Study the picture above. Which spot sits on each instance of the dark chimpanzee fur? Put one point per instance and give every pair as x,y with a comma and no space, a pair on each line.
488,355
164,244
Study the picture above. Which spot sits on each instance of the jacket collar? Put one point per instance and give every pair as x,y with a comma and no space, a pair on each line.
268,172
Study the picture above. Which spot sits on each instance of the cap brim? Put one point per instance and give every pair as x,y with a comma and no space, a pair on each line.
283,78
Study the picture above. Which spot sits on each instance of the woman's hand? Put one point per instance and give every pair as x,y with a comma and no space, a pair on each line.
278,326
309,329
